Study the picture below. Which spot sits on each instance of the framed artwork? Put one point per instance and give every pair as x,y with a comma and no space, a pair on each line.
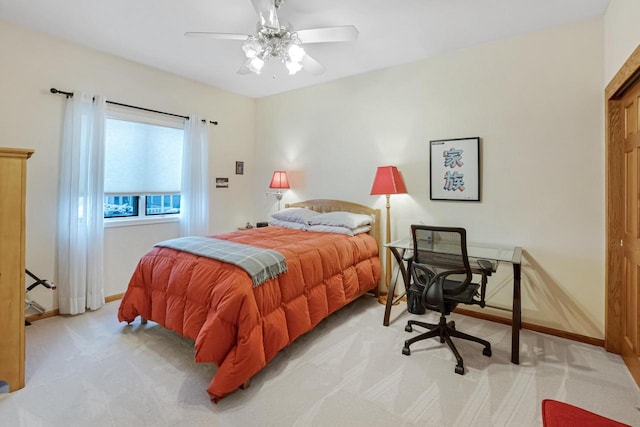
222,182
455,169
239,168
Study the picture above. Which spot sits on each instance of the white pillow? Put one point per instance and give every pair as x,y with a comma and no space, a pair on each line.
288,224
359,230
300,215
340,219
340,230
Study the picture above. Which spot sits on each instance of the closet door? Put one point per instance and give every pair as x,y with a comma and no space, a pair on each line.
13,174
631,282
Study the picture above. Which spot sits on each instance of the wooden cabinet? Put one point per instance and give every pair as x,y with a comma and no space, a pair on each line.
13,178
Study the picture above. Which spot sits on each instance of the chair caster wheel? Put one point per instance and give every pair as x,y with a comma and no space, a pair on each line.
408,328
487,352
460,369
406,351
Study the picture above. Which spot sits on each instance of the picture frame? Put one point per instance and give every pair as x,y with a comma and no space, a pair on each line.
239,168
222,182
454,169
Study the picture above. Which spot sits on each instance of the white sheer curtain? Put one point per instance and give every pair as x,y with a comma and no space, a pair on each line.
80,206
194,201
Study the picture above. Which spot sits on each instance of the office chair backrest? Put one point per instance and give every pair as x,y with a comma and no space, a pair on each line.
442,249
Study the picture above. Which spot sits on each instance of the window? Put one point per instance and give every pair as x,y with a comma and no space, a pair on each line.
161,205
120,206
143,164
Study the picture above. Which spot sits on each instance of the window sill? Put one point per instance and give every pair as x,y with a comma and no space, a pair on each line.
130,222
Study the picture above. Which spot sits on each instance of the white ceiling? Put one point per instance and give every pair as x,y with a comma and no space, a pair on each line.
392,32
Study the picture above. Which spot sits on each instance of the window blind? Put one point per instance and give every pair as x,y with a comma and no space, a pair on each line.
142,158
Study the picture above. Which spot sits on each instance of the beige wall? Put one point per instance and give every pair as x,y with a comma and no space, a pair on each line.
31,117
622,34
536,102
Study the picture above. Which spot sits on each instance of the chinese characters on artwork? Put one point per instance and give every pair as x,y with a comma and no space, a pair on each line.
455,169
453,180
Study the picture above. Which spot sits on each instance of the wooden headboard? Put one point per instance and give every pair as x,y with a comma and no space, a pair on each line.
328,205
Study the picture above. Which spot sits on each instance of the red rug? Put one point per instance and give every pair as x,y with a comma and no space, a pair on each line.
560,414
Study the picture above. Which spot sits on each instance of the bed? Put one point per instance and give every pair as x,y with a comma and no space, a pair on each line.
241,326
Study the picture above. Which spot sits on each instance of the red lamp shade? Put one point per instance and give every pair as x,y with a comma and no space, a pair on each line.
279,180
388,181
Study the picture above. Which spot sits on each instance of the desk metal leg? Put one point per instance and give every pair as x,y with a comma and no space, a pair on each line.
516,323
392,286
387,309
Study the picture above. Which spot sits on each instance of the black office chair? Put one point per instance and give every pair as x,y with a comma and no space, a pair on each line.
442,277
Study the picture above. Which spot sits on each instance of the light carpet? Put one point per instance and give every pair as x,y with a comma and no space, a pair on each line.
90,370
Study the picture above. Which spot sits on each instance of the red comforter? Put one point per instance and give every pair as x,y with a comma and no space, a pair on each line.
239,327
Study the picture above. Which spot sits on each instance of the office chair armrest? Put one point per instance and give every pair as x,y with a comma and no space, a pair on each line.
486,266
422,278
439,281
441,277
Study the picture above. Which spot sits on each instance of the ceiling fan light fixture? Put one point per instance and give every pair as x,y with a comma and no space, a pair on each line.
293,67
283,44
255,64
296,52
252,48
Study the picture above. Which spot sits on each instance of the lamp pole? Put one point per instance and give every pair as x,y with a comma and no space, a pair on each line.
387,261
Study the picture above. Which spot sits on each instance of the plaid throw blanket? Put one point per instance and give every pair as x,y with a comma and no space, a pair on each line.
260,264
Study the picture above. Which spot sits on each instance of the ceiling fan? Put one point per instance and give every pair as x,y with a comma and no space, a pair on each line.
280,41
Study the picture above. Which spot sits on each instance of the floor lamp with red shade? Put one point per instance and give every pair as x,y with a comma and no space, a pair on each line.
388,181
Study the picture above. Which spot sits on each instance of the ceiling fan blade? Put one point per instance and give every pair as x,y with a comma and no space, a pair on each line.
221,36
344,33
312,66
266,10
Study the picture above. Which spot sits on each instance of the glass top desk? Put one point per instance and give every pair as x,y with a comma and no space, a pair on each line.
401,250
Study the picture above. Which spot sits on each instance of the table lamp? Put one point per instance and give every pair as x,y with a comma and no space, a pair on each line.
279,181
388,181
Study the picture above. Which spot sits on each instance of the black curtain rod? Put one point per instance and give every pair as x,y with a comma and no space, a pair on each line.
70,95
